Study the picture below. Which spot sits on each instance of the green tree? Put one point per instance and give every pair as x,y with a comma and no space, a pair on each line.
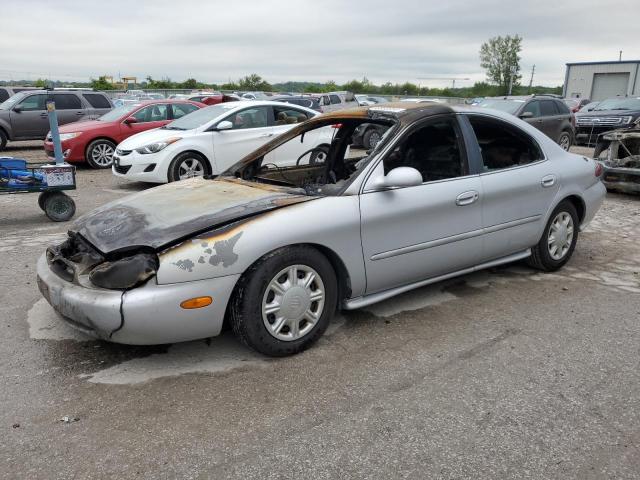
101,83
499,56
40,83
191,83
254,82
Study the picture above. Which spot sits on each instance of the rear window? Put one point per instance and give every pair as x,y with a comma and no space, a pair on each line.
67,101
3,95
96,100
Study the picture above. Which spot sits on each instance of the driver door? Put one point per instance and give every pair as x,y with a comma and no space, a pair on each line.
414,233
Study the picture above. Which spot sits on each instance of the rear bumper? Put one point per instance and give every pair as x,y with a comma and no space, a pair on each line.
593,198
147,315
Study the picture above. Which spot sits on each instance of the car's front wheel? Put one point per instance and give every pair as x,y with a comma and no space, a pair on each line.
285,301
188,165
100,153
558,240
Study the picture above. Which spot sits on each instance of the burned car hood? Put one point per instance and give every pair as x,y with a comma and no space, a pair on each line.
161,216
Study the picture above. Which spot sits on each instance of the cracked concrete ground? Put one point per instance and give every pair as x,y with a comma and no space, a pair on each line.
506,373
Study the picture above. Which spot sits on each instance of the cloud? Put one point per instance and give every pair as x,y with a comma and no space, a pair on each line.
305,40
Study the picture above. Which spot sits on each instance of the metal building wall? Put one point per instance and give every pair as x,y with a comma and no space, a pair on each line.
579,77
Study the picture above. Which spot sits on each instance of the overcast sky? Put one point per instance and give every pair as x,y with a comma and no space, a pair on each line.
390,40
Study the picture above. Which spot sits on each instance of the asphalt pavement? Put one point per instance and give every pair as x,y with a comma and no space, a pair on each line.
503,374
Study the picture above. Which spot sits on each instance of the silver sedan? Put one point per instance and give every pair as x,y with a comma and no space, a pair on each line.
277,244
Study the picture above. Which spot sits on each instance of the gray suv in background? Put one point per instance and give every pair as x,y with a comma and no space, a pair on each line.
24,116
547,113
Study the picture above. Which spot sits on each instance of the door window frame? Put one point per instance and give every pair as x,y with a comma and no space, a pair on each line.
476,150
270,119
34,110
404,134
181,104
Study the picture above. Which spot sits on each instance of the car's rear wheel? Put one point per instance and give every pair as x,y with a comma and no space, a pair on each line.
188,165
565,141
3,139
285,301
558,240
100,153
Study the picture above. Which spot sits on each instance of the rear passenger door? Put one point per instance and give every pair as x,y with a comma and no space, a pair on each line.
518,184
69,108
551,119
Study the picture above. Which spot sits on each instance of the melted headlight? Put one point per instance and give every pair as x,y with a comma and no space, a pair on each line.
125,273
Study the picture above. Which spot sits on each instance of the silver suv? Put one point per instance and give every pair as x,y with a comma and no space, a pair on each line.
24,116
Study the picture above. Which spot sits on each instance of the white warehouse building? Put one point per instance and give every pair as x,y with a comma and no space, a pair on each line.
600,80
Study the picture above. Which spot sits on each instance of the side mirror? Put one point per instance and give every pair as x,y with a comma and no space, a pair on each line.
130,120
525,115
399,177
17,109
224,125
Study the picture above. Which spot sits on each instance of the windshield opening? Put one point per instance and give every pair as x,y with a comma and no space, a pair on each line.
509,106
321,159
200,117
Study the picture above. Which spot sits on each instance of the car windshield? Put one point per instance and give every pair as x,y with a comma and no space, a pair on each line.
317,158
618,104
200,117
509,106
118,112
11,101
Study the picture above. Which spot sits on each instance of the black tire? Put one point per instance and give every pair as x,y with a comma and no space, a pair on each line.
59,207
540,256
174,168
565,139
97,152
371,138
42,199
3,140
246,305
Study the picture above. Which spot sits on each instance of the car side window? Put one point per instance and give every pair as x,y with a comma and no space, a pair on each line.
433,149
33,103
503,145
335,99
152,113
533,108
548,108
182,109
563,109
249,118
67,101
285,115
96,100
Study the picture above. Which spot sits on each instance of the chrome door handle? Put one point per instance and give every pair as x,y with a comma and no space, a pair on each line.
267,135
548,181
467,198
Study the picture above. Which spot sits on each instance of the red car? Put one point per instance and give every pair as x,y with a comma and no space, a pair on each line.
95,141
214,98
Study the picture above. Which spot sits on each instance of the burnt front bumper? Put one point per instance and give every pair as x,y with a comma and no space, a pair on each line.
626,180
146,315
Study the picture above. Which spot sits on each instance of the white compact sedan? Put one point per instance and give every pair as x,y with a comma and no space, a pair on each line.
210,140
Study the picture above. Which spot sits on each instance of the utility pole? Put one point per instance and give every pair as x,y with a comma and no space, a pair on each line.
533,70
620,56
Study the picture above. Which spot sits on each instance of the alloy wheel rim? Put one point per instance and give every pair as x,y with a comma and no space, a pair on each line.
560,236
374,139
293,302
189,168
564,142
102,154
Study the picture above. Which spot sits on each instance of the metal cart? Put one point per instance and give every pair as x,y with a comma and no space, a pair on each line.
50,180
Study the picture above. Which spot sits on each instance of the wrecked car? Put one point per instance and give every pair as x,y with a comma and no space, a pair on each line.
619,151
276,244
